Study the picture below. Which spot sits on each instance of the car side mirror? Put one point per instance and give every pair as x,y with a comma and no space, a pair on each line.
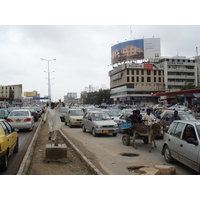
192,141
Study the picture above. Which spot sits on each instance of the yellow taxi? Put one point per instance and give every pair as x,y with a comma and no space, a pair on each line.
8,143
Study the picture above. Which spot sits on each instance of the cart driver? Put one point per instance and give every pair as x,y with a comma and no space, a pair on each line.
134,117
148,118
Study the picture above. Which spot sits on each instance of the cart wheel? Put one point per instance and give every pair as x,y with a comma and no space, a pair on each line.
126,139
145,140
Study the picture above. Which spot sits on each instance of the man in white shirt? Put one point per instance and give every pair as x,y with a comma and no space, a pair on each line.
53,116
148,118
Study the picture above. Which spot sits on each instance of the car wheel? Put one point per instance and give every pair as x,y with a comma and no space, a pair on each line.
83,128
4,166
167,155
16,149
94,132
126,139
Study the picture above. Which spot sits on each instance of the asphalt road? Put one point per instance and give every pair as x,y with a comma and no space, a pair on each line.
15,160
113,157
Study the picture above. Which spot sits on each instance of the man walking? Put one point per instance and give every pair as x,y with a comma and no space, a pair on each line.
54,122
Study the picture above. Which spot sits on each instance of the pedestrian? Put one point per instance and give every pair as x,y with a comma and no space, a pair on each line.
148,119
52,115
175,116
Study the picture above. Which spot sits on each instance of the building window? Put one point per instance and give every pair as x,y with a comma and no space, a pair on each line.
142,79
137,71
154,79
127,71
133,80
137,79
127,79
148,79
155,72
132,71
148,72
142,72
159,79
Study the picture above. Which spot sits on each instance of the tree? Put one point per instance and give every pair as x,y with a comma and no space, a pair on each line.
102,96
11,96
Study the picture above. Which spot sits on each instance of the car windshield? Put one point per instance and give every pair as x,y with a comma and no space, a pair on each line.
100,116
63,110
19,113
2,112
76,113
187,117
112,113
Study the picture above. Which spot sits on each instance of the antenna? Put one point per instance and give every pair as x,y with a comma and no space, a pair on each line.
131,32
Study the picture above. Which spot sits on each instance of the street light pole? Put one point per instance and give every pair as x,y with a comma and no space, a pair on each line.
49,84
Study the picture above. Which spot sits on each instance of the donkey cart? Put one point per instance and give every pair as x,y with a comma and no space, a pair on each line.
125,129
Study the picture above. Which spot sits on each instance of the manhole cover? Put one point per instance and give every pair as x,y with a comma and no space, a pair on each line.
130,154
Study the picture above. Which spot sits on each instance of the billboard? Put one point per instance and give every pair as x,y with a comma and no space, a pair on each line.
135,50
30,94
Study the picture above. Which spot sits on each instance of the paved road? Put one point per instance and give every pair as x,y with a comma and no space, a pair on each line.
15,160
108,151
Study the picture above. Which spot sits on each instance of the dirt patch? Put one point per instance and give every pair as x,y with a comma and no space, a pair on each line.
73,166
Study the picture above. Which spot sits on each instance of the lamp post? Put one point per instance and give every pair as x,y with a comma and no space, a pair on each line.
49,84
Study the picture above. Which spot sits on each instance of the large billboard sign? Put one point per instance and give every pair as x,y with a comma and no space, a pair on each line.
30,94
135,50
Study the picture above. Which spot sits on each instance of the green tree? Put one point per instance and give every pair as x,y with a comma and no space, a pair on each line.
11,96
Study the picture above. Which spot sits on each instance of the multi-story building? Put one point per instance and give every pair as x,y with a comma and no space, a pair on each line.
134,83
5,91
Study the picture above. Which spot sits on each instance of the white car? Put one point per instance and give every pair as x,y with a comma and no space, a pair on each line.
21,119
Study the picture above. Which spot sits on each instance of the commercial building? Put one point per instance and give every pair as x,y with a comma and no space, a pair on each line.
5,92
134,83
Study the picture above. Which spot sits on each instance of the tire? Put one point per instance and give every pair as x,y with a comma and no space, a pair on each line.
167,155
16,149
4,165
114,134
94,132
83,128
126,140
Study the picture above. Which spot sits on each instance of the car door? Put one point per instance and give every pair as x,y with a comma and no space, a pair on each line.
10,136
174,139
188,153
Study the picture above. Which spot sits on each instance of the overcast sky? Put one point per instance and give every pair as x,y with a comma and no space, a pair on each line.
82,52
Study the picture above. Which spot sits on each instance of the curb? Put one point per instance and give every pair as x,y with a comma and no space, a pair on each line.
81,156
28,156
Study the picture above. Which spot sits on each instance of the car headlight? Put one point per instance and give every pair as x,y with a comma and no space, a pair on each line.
116,125
73,120
98,126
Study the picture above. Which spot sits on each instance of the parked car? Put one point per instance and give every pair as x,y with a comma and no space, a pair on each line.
167,114
21,119
9,142
63,111
3,113
74,117
176,144
122,118
99,123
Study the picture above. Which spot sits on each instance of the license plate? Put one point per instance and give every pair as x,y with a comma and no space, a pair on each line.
105,131
78,123
18,120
